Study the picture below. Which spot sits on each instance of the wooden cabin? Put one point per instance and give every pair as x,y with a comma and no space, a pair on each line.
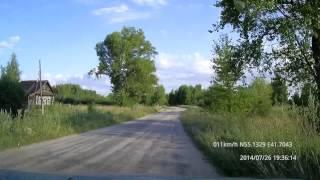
33,93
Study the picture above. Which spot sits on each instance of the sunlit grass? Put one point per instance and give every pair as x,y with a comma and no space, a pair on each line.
61,120
282,124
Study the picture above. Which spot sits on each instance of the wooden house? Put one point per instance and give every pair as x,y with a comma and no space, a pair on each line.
33,93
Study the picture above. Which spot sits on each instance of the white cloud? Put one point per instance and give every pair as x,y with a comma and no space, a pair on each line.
120,13
113,9
10,42
154,3
133,15
176,69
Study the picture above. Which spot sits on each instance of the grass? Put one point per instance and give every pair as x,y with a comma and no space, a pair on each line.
61,120
281,125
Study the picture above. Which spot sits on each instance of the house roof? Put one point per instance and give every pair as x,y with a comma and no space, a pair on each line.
32,86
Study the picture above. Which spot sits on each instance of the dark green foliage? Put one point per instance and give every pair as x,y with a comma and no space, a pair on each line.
218,98
74,94
307,91
159,96
296,99
12,95
186,95
127,58
279,90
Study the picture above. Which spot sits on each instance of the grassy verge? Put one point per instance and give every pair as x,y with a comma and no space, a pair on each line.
62,120
281,125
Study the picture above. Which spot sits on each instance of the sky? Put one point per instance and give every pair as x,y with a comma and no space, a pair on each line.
63,34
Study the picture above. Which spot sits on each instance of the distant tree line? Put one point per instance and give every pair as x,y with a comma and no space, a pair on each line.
186,95
74,94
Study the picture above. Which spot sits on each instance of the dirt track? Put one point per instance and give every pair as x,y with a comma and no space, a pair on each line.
155,145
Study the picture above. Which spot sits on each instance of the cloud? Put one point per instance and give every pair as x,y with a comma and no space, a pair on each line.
114,9
154,3
120,13
174,70
10,42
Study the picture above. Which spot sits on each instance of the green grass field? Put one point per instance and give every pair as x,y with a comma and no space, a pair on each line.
280,125
62,120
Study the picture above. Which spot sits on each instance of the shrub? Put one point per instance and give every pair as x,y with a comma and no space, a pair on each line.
255,99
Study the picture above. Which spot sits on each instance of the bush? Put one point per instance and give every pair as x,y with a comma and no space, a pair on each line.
260,97
255,99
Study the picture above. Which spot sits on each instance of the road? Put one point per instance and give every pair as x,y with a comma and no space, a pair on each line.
155,145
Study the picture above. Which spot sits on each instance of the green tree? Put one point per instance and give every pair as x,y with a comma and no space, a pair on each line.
11,92
307,91
296,99
279,90
226,65
184,95
228,70
197,95
187,95
172,98
74,94
293,25
159,96
12,72
127,58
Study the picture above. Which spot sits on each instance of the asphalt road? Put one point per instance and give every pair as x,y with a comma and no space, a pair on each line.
155,145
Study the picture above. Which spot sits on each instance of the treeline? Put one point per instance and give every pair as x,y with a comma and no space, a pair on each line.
187,95
74,94
256,98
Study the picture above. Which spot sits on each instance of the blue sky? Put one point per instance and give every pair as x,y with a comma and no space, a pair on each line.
63,34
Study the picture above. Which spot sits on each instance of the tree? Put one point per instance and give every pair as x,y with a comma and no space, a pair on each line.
11,92
197,95
226,65
127,58
296,99
12,72
186,95
228,70
74,94
279,89
307,91
159,96
172,98
293,25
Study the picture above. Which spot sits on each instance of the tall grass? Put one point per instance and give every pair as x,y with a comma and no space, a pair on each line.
282,124
60,120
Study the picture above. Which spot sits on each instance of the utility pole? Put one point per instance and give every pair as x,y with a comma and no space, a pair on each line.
41,100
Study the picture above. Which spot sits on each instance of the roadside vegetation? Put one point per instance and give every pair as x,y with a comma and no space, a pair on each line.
74,94
280,124
235,109
61,120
